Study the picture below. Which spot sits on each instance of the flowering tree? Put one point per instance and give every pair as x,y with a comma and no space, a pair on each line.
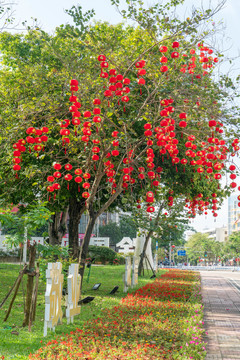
148,125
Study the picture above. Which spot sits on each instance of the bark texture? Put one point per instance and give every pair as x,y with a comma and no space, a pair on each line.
57,227
76,209
86,240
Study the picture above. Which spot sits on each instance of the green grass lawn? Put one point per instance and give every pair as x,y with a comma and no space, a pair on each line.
18,347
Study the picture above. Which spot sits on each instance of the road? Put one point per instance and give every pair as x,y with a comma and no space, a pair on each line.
226,274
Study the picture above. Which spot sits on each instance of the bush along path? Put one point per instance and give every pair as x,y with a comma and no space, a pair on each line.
162,320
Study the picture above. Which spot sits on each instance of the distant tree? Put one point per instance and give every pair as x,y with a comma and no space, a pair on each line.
161,254
232,246
128,227
173,233
202,246
111,230
116,232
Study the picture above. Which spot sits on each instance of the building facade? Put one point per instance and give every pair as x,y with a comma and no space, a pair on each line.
233,214
217,234
99,241
103,219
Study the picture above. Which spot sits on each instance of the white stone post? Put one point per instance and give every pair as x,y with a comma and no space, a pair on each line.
74,287
127,274
134,272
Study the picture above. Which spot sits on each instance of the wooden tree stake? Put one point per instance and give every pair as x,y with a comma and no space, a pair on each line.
30,282
16,291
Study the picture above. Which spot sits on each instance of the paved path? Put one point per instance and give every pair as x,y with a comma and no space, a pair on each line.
221,298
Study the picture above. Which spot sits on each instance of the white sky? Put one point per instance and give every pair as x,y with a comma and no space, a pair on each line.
50,13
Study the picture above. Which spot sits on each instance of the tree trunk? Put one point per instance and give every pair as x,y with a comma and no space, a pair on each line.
57,227
76,209
142,256
93,215
30,281
156,221
86,241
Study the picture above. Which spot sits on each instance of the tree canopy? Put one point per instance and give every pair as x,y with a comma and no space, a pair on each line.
232,246
147,121
200,247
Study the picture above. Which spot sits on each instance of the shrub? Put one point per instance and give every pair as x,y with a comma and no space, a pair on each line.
104,254
56,251
6,253
129,254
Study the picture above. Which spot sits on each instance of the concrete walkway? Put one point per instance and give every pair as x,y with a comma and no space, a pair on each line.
221,298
